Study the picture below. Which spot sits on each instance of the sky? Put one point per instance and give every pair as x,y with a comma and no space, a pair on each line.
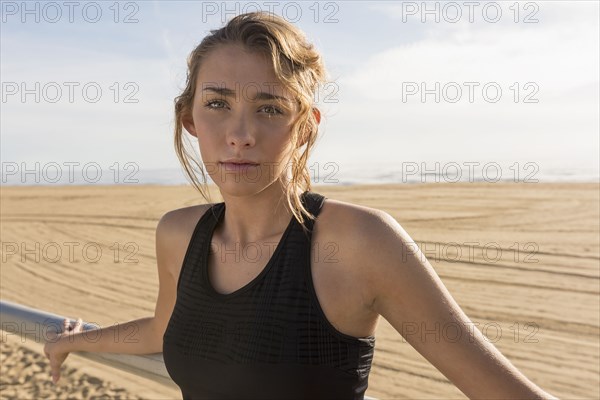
409,82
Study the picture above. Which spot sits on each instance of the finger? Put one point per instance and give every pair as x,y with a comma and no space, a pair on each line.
55,366
77,326
55,370
66,324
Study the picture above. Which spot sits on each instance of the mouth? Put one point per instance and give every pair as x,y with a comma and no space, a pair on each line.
237,166
238,161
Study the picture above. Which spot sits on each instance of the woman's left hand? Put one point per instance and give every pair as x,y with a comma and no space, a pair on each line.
56,348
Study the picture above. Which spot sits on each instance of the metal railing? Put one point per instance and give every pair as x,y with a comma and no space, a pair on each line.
34,324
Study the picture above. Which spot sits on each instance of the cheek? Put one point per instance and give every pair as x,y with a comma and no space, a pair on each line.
279,129
278,125
207,141
207,128
282,149
206,121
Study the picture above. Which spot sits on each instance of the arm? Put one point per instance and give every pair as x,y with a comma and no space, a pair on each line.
132,337
407,292
140,336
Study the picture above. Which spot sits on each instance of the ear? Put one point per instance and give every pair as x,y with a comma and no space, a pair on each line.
317,115
188,124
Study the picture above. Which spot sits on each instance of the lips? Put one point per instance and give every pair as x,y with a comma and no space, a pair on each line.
238,166
239,161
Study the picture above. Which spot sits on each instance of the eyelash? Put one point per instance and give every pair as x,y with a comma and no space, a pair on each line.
209,103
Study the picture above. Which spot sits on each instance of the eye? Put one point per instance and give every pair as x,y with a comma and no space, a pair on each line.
272,110
217,103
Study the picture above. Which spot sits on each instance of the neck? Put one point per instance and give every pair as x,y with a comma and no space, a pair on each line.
256,217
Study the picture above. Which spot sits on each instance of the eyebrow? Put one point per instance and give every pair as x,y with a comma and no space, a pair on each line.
259,96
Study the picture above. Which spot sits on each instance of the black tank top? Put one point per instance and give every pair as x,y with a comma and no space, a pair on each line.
267,340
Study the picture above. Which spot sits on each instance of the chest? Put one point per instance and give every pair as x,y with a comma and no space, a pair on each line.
335,280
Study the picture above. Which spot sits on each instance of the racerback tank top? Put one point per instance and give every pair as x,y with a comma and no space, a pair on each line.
267,340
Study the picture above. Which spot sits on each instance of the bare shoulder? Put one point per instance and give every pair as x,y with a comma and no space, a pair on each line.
350,213
347,209
357,232
177,220
174,231
357,227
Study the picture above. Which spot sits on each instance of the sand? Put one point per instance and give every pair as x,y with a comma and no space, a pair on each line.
547,274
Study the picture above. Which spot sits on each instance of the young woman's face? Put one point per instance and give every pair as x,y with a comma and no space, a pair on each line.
241,111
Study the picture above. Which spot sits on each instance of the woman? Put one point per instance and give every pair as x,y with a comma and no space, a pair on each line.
276,292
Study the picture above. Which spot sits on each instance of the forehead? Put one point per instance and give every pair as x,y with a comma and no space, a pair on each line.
233,67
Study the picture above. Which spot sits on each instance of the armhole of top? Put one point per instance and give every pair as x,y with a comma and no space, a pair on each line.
365,340
193,238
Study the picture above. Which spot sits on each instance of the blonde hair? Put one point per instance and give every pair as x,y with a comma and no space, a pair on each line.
297,65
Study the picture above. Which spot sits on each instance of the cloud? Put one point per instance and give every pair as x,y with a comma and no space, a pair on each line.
559,56
557,59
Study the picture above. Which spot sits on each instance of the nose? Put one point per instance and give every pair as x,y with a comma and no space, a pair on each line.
240,132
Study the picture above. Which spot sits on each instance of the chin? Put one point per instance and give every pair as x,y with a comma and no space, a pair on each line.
243,189
240,189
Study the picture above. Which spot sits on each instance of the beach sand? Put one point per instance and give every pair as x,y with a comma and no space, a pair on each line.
529,253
